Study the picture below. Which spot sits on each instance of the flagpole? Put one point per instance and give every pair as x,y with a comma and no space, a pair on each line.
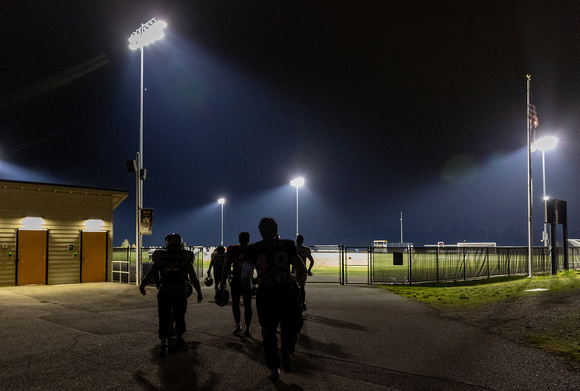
530,184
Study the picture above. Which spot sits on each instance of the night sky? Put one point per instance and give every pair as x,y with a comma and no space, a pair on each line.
383,107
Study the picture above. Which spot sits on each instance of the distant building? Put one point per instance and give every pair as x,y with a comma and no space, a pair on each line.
380,243
56,234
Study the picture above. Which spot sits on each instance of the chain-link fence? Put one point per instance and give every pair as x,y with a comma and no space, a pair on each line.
434,264
389,265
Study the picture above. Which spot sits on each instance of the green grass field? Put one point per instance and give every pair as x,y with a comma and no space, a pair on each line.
478,292
540,311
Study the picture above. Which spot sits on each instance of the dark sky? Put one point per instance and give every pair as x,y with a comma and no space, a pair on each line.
383,107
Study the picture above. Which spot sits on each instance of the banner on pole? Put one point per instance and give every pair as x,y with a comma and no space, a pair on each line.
146,221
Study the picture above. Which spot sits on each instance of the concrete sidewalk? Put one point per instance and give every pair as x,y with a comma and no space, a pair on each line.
102,336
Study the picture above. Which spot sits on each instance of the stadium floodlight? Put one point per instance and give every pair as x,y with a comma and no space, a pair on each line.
297,182
544,144
222,201
146,34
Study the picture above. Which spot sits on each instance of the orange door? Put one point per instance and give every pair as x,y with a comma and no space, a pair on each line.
94,257
31,258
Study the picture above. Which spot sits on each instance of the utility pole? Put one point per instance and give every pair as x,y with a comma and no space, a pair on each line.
401,226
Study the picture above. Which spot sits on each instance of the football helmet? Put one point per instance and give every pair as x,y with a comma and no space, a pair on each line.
208,281
222,297
174,240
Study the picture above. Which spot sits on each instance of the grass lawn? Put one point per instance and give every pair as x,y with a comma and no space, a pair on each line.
543,311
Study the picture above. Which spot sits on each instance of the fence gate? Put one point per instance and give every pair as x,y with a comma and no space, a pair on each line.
327,264
356,261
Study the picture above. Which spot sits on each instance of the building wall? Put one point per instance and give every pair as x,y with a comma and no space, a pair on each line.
7,246
64,211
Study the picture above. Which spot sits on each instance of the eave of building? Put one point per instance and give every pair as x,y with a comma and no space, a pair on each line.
117,195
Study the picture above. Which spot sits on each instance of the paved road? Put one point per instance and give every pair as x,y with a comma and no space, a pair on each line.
102,336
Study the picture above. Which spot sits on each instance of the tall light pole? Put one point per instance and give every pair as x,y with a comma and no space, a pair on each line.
297,182
222,201
544,144
147,33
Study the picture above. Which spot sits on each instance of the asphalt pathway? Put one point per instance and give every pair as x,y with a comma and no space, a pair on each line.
102,336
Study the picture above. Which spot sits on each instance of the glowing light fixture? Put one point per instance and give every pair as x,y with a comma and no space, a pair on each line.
297,182
94,224
32,222
148,33
546,143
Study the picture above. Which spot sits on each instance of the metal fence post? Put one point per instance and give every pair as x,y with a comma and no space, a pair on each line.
464,271
341,271
437,264
487,260
370,265
410,273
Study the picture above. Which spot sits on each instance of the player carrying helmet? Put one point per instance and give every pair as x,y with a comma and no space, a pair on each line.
234,264
278,299
174,266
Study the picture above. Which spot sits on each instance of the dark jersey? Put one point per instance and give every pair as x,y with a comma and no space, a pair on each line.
303,252
271,258
218,259
173,268
235,256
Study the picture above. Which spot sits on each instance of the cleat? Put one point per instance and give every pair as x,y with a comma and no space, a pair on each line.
164,351
237,330
303,307
247,333
287,361
180,341
274,374
309,274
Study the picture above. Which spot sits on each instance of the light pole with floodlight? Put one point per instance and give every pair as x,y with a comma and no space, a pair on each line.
222,201
297,182
544,144
147,33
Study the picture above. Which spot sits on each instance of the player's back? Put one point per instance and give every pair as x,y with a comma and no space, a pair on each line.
172,265
272,258
235,255
303,252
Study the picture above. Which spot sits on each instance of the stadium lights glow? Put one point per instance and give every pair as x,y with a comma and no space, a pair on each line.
147,33
222,201
297,182
546,143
